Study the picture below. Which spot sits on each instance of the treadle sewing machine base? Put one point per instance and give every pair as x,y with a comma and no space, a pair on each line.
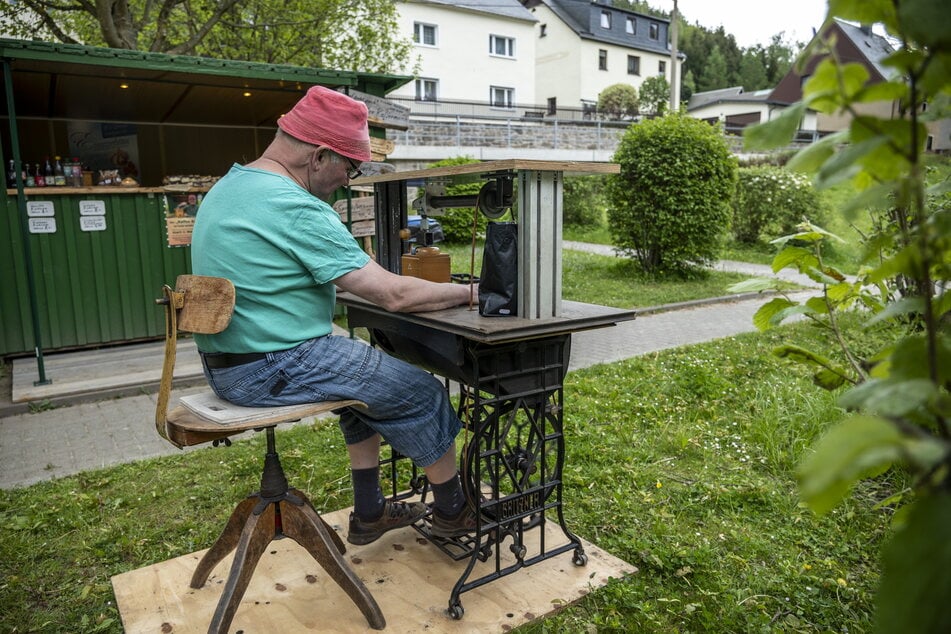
512,460
512,405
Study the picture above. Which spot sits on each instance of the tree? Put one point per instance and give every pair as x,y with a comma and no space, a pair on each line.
714,74
655,95
752,73
899,396
618,101
670,205
348,34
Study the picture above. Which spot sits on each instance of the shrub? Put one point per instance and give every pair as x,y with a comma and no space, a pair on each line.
654,95
618,101
771,202
584,201
670,205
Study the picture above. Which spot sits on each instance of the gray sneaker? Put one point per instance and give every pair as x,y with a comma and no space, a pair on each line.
395,515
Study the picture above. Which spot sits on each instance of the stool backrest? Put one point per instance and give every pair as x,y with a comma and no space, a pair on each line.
198,304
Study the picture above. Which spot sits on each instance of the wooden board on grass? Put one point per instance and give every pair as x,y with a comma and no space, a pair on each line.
410,579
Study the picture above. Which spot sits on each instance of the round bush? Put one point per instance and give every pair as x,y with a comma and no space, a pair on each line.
670,205
770,202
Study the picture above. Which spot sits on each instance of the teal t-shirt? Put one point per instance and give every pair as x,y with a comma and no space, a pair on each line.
282,248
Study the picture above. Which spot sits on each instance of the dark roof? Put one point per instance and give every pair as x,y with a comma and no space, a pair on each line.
584,18
874,47
735,94
83,82
504,8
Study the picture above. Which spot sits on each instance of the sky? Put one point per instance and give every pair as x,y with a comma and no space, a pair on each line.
753,21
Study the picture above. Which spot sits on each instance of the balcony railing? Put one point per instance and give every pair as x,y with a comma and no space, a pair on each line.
452,109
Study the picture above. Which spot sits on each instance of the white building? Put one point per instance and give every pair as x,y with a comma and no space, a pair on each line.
585,46
474,50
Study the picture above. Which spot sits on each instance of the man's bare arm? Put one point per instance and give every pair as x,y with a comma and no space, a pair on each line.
401,293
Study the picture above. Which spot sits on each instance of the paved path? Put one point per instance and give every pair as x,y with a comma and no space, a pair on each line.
69,439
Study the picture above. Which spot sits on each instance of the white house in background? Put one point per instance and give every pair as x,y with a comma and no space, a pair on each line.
585,46
476,50
736,109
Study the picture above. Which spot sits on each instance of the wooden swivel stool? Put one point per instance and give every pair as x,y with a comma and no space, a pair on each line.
204,305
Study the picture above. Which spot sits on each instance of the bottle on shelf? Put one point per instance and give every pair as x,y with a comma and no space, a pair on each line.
48,171
28,180
12,175
59,178
77,173
38,177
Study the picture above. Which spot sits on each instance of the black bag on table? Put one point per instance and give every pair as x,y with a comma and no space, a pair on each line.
498,284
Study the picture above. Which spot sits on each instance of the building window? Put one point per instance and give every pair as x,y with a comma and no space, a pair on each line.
602,59
631,26
501,97
662,67
542,30
502,46
633,65
605,19
424,34
553,105
426,89
654,32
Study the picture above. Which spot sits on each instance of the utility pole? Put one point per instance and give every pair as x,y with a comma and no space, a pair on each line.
674,80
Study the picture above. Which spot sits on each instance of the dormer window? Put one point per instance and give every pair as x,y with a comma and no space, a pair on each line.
654,32
630,26
605,19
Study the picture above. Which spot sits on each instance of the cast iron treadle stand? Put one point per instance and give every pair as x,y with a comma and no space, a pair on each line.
513,459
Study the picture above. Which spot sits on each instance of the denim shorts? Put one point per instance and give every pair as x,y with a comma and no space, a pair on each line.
407,406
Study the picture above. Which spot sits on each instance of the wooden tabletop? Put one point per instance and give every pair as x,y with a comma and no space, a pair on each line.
575,316
570,167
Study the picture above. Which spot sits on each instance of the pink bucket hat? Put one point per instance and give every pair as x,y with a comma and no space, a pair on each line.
327,117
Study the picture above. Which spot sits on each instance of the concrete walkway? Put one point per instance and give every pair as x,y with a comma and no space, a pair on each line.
79,434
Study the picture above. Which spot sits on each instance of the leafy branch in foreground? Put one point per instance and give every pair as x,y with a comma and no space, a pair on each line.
898,397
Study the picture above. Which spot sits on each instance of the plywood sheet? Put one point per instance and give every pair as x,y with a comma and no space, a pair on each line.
410,579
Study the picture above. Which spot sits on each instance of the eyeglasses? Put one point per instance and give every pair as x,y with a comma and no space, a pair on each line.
354,171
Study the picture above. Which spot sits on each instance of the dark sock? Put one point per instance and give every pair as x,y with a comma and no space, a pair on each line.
368,500
448,498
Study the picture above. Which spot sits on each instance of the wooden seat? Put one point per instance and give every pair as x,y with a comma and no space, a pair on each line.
200,304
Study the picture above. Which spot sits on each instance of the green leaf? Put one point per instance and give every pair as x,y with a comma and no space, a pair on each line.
802,355
754,285
874,197
844,165
882,91
889,397
828,380
776,133
864,11
811,157
915,584
859,447
794,256
817,305
926,22
763,318
903,306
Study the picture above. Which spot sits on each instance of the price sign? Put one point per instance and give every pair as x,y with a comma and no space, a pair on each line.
92,223
40,209
42,225
92,207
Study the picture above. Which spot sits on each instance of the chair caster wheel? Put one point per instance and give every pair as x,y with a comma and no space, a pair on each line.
518,551
579,558
456,611
221,441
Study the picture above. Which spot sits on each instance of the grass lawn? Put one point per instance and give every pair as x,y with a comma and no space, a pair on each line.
615,281
680,462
